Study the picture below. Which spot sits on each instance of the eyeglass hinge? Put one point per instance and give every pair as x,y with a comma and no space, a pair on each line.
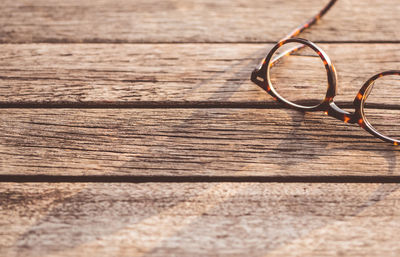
258,77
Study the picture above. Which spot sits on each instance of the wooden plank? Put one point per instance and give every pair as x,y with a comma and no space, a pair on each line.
171,142
199,219
165,73
193,21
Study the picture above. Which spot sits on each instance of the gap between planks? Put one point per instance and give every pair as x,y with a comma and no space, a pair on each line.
202,43
198,179
158,105
170,105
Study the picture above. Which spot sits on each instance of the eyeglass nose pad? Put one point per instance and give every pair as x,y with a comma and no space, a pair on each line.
332,82
369,89
362,96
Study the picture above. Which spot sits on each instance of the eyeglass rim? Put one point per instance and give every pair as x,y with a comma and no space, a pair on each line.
331,74
359,104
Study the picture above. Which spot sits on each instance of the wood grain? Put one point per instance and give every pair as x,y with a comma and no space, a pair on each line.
195,54
172,142
193,21
199,219
165,73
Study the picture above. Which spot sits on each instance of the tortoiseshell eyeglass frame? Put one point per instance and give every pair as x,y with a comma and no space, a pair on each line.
261,77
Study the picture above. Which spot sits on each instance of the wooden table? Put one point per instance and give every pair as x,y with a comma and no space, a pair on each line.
131,128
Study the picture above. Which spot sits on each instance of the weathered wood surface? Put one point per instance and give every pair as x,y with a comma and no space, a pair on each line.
166,73
199,219
190,142
27,21
189,54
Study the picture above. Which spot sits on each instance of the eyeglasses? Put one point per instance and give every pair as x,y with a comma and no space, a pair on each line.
280,55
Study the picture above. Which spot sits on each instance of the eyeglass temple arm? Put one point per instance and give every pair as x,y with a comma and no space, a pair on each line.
311,21
296,32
